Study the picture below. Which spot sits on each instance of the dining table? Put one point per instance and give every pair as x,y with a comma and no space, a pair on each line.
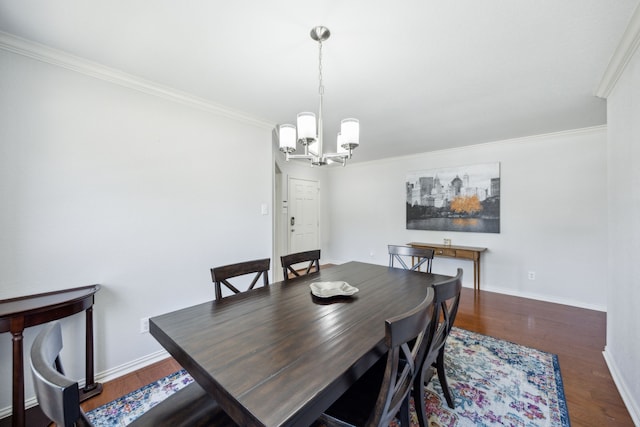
279,355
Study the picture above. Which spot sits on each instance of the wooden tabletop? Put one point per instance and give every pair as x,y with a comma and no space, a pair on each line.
278,356
440,245
35,308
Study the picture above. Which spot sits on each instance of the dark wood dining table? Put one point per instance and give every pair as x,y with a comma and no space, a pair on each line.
280,356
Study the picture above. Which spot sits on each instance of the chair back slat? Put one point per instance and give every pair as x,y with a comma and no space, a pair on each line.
221,275
419,257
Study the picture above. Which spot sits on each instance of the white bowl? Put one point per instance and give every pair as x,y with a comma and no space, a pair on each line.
332,289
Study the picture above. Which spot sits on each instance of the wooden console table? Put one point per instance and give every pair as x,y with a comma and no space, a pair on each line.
463,252
16,314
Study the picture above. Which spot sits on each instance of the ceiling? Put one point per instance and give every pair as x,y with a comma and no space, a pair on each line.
420,75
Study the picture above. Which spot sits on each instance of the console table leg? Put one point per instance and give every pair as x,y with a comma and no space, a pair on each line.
91,388
18,418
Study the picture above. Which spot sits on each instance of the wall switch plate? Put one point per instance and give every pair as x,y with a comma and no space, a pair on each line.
531,275
144,325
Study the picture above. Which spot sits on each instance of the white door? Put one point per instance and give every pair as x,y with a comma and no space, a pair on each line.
303,222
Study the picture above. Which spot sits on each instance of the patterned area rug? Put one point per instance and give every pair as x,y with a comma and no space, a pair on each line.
124,410
493,382
497,383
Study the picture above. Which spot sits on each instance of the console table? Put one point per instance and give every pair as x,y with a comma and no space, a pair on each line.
463,252
16,314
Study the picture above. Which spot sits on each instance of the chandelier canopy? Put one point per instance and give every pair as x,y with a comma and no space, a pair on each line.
309,132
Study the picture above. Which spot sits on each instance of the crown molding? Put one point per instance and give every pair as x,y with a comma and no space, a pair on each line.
521,140
621,57
59,58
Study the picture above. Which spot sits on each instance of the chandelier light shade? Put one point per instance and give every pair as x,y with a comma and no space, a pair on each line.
306,127
308,131
287,138
350,130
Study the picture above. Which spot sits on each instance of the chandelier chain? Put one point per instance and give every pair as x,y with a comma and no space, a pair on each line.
321,85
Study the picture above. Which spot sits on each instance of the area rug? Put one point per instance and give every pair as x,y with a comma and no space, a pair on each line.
124,410
493,382
497,383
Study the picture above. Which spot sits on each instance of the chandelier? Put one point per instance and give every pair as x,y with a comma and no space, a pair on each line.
309,135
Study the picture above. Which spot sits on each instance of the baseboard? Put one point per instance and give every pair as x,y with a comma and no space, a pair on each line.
513,293
129,367
103,377
632,406
545,298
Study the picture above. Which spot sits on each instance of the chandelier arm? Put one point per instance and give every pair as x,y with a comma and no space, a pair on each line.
301,156
341,159
337,155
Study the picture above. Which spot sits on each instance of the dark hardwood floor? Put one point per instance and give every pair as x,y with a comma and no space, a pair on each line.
576,335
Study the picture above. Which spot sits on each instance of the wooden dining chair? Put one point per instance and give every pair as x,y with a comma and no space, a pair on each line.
446,302
419,257
288,261
59,397
222,274
383,392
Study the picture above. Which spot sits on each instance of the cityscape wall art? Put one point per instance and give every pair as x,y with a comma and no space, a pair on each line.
462,198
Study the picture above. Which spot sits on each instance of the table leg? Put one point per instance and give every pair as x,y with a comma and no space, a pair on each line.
17,327
476,274
413,262
91,387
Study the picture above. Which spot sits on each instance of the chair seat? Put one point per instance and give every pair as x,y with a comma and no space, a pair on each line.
189,406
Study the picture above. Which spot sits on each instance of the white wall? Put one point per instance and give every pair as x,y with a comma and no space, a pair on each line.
104,184
553,215
623,316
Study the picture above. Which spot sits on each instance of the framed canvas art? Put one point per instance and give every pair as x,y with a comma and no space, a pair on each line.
463,198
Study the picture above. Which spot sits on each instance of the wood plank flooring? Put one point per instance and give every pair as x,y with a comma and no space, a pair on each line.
576,335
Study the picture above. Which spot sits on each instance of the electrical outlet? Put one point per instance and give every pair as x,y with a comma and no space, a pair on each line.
532,275
371,253
144,325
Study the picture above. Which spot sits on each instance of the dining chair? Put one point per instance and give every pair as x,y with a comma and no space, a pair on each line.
59,396
383,392
401,253
446,302
288,261
222,274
